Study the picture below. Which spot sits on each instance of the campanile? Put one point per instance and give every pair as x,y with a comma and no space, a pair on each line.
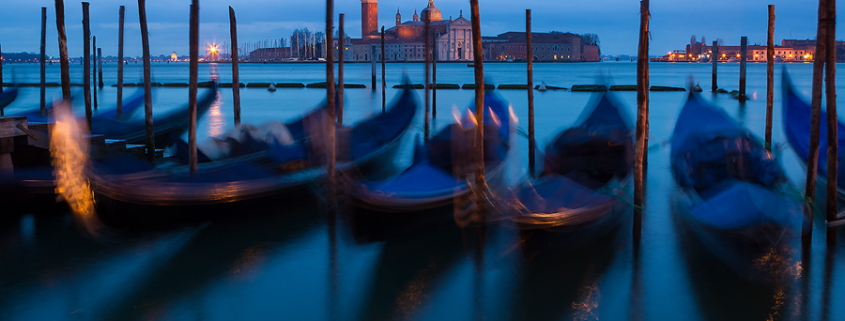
369,19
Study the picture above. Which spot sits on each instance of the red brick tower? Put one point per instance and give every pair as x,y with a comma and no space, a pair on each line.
369,19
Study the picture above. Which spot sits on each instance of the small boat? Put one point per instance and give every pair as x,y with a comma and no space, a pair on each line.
796,125
584,168
437,188
271,171
7,96
166,126
471,65
733,196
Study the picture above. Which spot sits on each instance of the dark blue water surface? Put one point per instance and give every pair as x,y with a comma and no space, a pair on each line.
282,263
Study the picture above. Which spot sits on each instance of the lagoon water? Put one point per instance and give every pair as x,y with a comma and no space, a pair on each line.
283,264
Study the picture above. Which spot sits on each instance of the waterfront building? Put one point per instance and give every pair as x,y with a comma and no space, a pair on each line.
552,46
789,50
405,40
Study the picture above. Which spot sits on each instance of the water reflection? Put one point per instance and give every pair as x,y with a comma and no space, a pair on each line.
408,270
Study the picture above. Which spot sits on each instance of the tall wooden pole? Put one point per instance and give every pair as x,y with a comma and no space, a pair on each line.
1,73
642,117
94,65
63,59
100,83
120,62
192,82
43,62
832,120
478,60
770,79
373,66
236,84
714,58
434,77
427,57
86,82
531,142
743,61
342,44
148,101
383,73
330,123
815,124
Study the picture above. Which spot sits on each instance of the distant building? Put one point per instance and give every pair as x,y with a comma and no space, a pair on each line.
405,40
553,46
174,57
790,50
270,54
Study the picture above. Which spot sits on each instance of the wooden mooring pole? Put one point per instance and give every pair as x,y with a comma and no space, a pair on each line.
100,83
427,57
148,101
63,58
743,61
330,123
192,83
478,61
714,58
342,43
373,66
642,118
530,59
832,120
383,73
815,125
120,62
42,61
94,74
770,77
86,82
434,77
236,84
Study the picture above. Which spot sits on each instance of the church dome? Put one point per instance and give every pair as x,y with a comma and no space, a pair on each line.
433,13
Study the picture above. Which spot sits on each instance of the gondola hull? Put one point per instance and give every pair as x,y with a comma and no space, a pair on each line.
381,217
732,195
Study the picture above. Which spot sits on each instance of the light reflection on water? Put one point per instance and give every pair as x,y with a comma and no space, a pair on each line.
276,265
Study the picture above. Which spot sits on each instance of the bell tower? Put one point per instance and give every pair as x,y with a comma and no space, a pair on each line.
369,19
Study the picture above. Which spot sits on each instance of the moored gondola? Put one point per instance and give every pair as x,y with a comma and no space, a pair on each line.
437,188
133,192
7,96
586,171
166,126
796,125
733,196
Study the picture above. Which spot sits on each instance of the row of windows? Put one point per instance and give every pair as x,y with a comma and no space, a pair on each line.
536,48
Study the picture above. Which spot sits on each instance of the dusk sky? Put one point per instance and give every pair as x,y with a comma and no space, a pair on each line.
615,21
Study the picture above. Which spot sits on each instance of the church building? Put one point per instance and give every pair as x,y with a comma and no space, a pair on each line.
405,40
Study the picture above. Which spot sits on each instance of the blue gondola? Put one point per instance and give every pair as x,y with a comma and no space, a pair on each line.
166,126
583,168
269,173
796,124
437,188
130,105
8,96
733,196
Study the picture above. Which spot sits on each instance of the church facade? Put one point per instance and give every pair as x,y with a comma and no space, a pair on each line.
405,40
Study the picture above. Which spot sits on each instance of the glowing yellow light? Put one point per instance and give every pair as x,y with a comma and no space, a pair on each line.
212,49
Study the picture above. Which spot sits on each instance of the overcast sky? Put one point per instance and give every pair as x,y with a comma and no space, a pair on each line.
615,21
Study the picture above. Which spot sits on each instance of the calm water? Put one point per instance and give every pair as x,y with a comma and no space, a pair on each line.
284,265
